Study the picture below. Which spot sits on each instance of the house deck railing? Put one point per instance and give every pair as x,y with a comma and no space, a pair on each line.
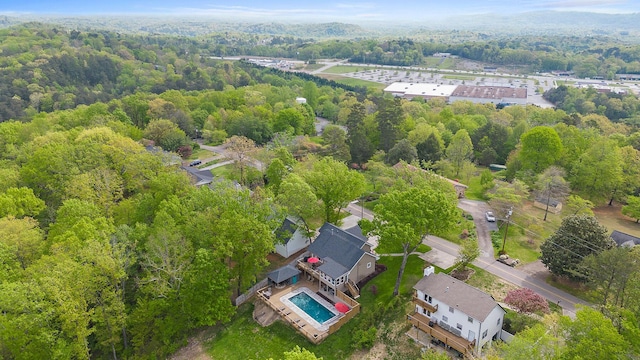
462,345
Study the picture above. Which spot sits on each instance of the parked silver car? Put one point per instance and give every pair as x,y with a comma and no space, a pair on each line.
490,217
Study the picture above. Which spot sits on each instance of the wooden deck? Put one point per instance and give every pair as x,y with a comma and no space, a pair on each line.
271,296
460,344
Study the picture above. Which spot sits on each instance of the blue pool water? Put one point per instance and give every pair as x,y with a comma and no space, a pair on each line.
309,305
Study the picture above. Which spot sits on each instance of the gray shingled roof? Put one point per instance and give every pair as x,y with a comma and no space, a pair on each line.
460,296
332,268
286,230
543,200
202,177
282,274
338,245
623,239
357,232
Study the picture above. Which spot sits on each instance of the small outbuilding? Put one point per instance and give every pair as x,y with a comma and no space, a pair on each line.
286,275
555,206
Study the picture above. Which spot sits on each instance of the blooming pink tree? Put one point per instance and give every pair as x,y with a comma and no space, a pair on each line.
526,301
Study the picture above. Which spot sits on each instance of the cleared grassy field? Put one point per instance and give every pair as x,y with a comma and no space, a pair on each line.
612,218
353,82
342,69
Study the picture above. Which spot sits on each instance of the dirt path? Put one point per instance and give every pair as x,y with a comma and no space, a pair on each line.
477,209
194,350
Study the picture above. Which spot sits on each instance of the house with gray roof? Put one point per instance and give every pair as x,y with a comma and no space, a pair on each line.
198,177
345,258
456,313
623,239
291,238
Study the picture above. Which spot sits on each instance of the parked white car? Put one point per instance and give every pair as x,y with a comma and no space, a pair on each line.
490,217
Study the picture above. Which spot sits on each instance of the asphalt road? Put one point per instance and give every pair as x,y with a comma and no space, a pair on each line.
487,262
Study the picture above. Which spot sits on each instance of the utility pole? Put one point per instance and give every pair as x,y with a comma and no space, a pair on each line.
506,230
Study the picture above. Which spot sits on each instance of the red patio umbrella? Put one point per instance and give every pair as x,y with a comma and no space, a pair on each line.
313,260
342,307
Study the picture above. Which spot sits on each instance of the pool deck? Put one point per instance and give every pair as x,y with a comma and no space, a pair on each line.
299,320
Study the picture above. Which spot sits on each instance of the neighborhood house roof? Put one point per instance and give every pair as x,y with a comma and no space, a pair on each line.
552,202
623,239
286,230
332,268
457,294
282,274
357,232
337,247
202,177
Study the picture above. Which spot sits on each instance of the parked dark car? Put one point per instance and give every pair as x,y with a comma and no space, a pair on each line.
195,163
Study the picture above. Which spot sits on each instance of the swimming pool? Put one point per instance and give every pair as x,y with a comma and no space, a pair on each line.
312,307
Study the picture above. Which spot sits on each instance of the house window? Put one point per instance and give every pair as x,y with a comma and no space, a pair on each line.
470,319
484,334
424,311
444,318
428,313
430,299
369,265
451,309
459,326
498,323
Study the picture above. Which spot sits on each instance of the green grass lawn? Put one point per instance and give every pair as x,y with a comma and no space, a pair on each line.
342,69
312,67
359,82
243,338
201,154
453,233
475,190
225,171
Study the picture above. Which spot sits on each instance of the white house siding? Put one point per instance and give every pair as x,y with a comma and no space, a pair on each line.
297,242
469,330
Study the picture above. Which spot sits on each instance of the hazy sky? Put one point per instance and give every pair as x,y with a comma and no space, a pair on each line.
320,10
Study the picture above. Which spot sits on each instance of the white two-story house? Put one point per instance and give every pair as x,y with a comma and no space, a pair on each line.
455,313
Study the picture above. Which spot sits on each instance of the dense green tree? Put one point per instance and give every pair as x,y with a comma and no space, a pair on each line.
335,143
469,251
299,201
578,237
335,185
431,149
20,202
402,150
460,150
609,272
403,217
632,209
599,171
389,116
541,147
592,336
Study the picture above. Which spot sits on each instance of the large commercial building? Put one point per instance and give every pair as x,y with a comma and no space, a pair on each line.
424,90
490,95
450,93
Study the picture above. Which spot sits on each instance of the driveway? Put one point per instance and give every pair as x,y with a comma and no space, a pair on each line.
477,209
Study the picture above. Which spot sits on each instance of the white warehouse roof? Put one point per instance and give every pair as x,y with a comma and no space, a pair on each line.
426,90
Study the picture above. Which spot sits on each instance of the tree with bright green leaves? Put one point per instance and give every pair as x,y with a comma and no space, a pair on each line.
577,237
469,251
579,206
276,171
598,170
20,202
592,336
540,148
165,134
539,342
335,185
22,240
632,209
298,353
432,354
299,201
405,215
289,120
630,174
460,150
